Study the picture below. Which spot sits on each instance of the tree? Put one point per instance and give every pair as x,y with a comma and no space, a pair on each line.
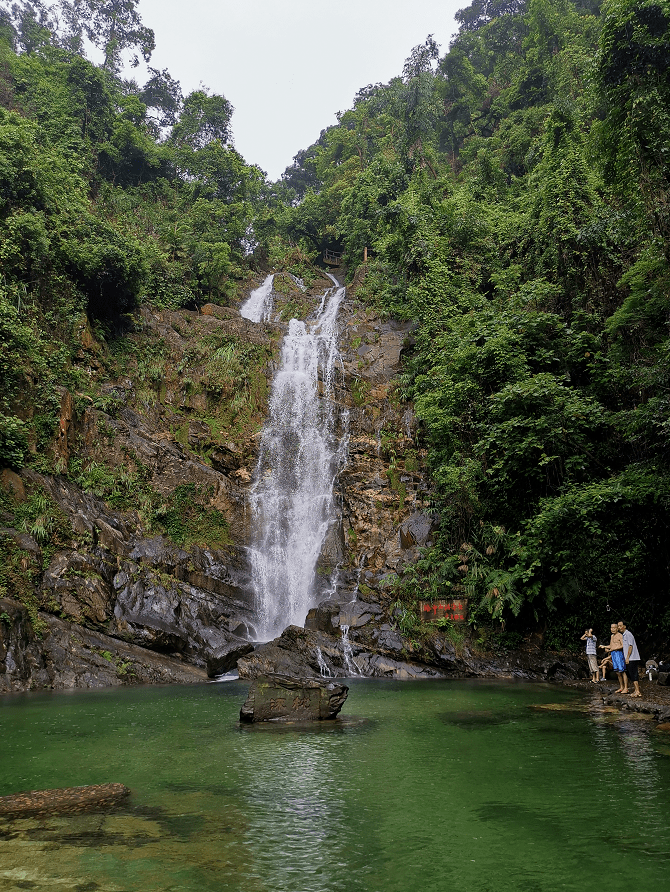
481,12
204,118
633,67
162,93
419,101
32,25
564,197
114,26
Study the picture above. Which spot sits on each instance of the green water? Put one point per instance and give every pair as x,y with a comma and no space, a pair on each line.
458,786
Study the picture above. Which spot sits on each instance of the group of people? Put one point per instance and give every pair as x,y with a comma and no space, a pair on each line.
622,656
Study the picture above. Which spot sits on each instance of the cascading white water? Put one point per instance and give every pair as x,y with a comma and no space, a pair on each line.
292,497
258,306
324,668
348,653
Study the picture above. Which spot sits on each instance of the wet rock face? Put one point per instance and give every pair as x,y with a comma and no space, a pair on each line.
72,656
79,585
162,612
276,698
160,600
332,614
130,588
383,493
23,664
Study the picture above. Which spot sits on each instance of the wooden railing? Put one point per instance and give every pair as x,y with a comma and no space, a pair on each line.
332,257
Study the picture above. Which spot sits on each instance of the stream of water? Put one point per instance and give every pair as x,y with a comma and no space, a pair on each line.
462,786
300,454
258,307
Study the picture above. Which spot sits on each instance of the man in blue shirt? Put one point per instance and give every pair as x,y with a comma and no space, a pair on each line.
632,657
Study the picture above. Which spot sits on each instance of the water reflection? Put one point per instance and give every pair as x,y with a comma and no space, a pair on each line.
634,788
296,809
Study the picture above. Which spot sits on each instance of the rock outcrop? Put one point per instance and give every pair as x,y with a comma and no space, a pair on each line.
305,653
67,655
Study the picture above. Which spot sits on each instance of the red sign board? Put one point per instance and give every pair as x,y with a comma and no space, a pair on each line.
455,610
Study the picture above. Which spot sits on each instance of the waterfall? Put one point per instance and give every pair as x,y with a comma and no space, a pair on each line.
258,306
324,669
348,654
292,496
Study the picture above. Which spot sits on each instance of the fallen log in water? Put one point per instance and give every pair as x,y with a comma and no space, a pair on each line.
70,800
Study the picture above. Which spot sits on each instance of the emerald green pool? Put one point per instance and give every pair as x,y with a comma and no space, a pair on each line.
431,786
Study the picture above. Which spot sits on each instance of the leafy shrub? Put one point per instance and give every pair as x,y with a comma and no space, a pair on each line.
13,441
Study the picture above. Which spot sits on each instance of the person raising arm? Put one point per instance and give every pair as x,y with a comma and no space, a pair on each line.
591,644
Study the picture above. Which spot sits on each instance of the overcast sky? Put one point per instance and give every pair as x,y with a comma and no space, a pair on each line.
289,65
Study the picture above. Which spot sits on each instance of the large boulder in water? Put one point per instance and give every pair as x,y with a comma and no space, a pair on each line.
293,654
276,698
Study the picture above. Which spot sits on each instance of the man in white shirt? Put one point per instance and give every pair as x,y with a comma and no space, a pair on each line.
632,657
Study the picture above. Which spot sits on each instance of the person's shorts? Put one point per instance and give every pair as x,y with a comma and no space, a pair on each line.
593,662
618,660
631,670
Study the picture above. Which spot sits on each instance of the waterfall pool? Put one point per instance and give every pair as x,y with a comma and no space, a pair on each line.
462,786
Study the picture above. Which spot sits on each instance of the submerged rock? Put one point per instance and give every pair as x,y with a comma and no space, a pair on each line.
276,698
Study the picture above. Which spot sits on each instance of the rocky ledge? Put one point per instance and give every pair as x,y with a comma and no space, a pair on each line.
107,604
67,655
349,639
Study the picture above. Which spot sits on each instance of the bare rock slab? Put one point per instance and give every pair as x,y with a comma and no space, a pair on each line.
277,698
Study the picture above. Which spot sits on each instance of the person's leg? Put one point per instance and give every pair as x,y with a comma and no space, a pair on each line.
622,681
634,675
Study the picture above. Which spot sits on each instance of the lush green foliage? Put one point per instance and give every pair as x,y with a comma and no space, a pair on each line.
110,194
513,199
513,196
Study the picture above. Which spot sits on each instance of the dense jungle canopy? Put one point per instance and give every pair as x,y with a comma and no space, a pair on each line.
513,195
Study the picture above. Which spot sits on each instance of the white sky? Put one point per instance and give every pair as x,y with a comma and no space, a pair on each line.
289,65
